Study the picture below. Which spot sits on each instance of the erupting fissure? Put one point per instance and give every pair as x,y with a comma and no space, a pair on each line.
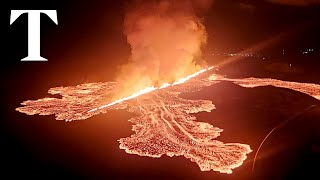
166,38
164,123
150,89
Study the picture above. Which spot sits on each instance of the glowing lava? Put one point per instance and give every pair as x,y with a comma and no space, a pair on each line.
150,89
143,91
306,88
164,123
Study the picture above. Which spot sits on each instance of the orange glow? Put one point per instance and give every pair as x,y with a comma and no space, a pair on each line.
150,89
142,91
164,123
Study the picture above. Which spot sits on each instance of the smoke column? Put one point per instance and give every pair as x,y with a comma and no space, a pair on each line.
166,38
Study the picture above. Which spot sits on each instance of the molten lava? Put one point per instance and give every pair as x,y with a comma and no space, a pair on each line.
150,89
164,123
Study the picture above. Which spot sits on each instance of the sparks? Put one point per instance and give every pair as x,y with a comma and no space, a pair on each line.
151,88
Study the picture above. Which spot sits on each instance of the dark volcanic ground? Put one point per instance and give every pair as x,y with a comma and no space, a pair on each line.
247,115
298,68
41,147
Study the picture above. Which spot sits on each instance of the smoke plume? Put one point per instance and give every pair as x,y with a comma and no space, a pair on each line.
166,38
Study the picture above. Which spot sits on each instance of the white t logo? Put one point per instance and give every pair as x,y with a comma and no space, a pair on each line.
34,30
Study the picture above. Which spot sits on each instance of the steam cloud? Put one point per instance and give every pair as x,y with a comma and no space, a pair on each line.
166,38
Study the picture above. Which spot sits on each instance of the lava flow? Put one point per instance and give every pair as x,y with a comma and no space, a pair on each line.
163,125
150,89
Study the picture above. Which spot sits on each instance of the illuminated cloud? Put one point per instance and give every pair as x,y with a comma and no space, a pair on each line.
166,38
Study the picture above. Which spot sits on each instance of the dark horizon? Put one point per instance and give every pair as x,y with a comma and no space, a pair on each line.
88,45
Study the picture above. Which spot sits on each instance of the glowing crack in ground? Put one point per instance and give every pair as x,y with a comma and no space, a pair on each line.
164,124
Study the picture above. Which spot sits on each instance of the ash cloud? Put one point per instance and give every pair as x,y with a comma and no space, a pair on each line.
166,38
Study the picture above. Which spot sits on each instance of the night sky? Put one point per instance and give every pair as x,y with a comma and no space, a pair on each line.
88,45
89,35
